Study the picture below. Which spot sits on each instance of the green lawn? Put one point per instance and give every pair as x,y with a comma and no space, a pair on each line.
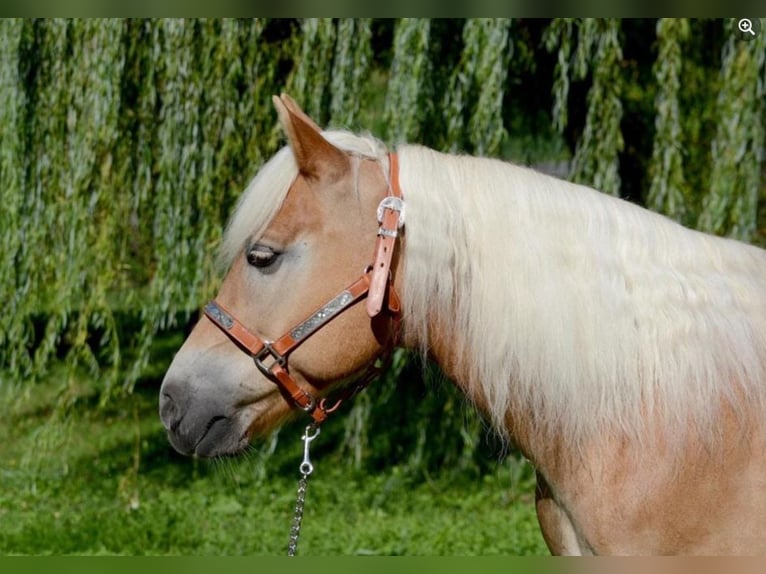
105,481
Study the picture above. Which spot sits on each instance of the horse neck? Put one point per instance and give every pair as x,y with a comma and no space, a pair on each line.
437,189
551,305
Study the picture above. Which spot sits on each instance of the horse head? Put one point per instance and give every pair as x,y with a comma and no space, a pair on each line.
302,232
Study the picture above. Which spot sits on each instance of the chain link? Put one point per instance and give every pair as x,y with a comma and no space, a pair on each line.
300,500
306,468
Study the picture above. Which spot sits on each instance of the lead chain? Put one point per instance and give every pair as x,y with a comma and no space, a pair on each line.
300,500
306,468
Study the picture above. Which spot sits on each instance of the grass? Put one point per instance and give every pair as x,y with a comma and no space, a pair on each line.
104,481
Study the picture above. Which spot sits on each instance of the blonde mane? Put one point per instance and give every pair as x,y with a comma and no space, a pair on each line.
583,309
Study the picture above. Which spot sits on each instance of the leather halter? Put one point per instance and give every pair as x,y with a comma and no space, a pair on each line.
376,283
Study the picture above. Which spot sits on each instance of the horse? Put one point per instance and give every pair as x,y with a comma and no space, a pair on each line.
623,354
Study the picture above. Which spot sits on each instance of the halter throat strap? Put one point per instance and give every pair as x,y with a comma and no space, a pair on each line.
376,283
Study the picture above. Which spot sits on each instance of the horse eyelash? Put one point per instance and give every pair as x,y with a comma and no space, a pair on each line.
261,262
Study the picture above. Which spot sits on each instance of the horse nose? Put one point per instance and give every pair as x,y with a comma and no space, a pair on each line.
171,410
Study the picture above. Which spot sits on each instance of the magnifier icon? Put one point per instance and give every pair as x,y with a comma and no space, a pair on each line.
746,26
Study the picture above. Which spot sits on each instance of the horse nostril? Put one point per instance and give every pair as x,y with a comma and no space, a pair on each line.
170,412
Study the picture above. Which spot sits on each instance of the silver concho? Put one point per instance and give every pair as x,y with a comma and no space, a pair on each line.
219,315
321,317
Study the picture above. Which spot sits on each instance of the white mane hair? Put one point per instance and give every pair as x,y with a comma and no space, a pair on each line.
592,312
266,192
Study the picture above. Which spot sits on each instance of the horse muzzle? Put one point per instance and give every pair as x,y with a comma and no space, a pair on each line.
204,428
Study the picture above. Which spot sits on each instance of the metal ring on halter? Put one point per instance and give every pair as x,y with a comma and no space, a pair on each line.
264,353
312,404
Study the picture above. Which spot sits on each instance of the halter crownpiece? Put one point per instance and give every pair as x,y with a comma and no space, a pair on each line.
376,284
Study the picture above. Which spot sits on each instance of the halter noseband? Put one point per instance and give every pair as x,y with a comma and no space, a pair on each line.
376,283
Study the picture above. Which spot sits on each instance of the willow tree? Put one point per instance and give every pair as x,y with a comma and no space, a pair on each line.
737,150
60,126
667,192
14,285
410,87
597,51
473,106
314,66
350,71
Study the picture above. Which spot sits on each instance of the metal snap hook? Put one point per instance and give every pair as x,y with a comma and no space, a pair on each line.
309,435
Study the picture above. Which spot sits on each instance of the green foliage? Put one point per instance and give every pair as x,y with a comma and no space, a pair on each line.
59,181
409,87
474,103
667,192
15,284
351,67
596,159
737,149
313,68
334,65
559,35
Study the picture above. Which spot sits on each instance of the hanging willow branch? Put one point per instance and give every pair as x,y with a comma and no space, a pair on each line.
259,78
314,70
43,197
180,91
408,87
351,68
596,160
478,86
558,37
221,75
737,153
60,271
136,154
94,197
14,333
667,189
172,284
53,193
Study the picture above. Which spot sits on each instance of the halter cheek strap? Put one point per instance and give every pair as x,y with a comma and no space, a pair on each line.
390,220
376,284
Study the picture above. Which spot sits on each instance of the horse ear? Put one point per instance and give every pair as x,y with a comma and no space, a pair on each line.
317,158
296,110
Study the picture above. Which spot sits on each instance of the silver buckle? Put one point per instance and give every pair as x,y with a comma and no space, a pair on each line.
394,204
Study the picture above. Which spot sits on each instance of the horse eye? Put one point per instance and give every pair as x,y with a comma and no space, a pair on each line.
261,256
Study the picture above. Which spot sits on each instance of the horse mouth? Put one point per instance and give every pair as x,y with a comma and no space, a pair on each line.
224,435
219,437
215,439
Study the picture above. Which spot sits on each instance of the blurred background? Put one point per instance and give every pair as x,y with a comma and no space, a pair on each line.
124,145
